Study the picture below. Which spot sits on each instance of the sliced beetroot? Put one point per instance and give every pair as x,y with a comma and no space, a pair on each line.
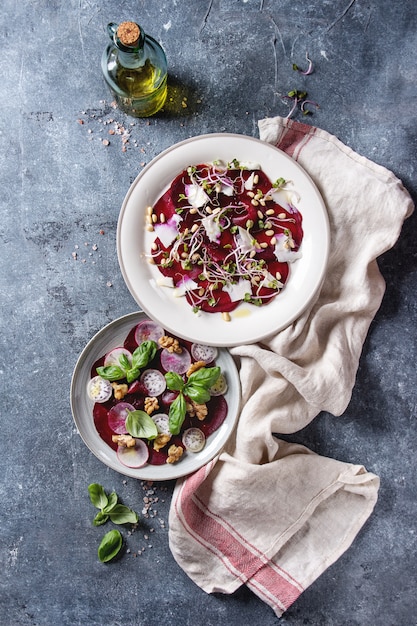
222,304
154,382
135,387
117,415
148,331
100,412
217,407
173,362
134,457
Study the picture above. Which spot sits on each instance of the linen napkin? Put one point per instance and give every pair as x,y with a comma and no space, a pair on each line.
267,513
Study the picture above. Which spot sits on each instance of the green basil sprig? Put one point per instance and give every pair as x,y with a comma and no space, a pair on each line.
109,507
110,546
196,388
143,354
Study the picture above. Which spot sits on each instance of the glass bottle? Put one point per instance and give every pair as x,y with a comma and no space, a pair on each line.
134,66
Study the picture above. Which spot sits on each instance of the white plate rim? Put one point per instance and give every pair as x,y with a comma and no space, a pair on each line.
81,406
177,317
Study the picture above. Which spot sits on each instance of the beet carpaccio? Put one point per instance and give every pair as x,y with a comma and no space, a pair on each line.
222,238
157,397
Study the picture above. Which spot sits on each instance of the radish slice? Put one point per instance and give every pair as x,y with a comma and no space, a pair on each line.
154,382
162,423
148,331
194,439
136,456
173,362
204,353
168,396
220,386
116,417
99,390
113,357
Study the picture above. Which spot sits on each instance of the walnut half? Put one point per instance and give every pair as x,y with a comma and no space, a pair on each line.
150,405
160,441
170,344
174,453
196,410
194,367
125,441
120,390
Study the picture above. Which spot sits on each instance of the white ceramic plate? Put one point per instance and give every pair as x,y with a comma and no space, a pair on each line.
109,337
249,324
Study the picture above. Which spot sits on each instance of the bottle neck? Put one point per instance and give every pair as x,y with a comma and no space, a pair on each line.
130,56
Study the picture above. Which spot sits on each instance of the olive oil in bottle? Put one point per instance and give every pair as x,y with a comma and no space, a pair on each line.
135,69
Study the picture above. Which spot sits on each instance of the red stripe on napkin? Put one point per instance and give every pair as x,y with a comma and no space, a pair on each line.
237,555
294,137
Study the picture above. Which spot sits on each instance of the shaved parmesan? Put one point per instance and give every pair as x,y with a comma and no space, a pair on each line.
196,195
245,240
237,291
211,226
164,281
168,231
249,183
186,284
283,251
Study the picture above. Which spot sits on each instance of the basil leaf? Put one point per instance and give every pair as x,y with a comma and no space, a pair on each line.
123,515
112,501
174,381
111,372
124,362
205,376
132,374
110,546
177,412
143,354
97,496
100,518
139,424
198,393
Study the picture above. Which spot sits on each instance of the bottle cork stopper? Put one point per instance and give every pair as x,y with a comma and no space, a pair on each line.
128,33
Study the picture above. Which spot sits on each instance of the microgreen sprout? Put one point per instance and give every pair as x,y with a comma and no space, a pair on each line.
309,69
299,98
279,183
303,105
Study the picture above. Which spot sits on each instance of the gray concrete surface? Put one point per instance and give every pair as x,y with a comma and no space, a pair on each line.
61,186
